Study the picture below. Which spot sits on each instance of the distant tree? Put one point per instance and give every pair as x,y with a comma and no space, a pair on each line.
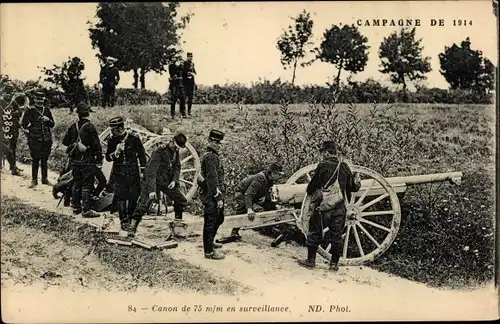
465,68
401,57
495,7
345,48
142,36
293,43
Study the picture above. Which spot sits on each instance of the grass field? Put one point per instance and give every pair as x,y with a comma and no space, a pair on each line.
447,234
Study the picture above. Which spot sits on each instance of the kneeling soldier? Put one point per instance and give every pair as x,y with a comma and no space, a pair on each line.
162,175
212,191
125,149
333,219
256,189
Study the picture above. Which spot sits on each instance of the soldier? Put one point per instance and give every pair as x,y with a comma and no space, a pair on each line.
38,123
188,73
212,192
176,87
77,89
256,189
9,132
126,151
109,78
162,175
85,153
334,219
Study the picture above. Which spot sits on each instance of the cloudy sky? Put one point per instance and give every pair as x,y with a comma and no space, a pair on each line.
236,42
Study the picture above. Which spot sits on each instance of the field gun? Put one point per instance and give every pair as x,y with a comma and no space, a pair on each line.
373,216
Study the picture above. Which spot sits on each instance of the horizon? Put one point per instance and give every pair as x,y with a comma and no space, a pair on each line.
251,57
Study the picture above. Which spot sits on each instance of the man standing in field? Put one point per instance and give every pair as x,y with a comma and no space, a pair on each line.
162,174
77,89
109,78
188,74
125,149
255,189
327,171
9,132
212,192
85,154
38,123
177,89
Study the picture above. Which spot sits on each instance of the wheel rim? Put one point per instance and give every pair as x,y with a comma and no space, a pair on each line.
372,220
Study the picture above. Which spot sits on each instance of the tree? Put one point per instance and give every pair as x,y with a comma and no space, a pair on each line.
141,36
401,57
293,43
465,68
345,48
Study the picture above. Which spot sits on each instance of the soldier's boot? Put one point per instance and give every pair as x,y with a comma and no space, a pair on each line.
217,245
132,228
334,263
46,182
310,262
235,232
16,171
67,201
122,214
90,214
214,256
33,184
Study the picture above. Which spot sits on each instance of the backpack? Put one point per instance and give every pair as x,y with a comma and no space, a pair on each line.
332,194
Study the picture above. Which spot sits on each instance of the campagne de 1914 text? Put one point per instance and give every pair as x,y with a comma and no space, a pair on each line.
412,22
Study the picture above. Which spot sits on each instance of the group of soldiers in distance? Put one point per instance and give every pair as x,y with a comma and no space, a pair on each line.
136,182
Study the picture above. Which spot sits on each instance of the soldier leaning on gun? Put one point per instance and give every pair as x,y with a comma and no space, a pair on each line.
85,153
125,149
9,130
38,123
256,189
335,218
212,192
162,175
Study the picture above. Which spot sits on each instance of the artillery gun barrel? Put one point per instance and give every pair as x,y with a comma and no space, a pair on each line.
294,193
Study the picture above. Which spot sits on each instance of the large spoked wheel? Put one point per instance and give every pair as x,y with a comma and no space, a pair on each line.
372,220
190,165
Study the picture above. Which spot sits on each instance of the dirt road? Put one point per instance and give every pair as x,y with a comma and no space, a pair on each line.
355,293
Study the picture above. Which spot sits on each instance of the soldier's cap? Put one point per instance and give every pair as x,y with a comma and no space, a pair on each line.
216,136
275,167
329,146
116,122
110,59
39,94
82,109
189,54
180,139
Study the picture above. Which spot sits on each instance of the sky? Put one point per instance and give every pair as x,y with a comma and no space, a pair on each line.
236,42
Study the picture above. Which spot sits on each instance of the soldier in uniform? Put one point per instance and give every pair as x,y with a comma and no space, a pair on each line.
212,192
38,123
162,175
188,73
109,78
256,189
9,131
77,89
85,153
177,90
126,151
333,219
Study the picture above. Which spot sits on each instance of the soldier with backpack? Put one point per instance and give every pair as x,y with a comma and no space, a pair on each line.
332,185
85,154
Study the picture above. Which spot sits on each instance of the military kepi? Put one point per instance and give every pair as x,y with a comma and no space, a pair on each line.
329,146
216,136
116,122
82,109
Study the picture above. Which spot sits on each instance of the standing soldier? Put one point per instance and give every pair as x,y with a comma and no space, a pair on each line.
255,189
177,90
85,153
9,133
125,150
188,73
108,80
162,175
38,123
212,191
327,170
77,89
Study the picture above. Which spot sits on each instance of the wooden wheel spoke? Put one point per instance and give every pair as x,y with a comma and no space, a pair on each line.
189,158
308,176
188,170
374,201
346,241
358,241
328,248
360,200
375,225
375,213
368,234
187,182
